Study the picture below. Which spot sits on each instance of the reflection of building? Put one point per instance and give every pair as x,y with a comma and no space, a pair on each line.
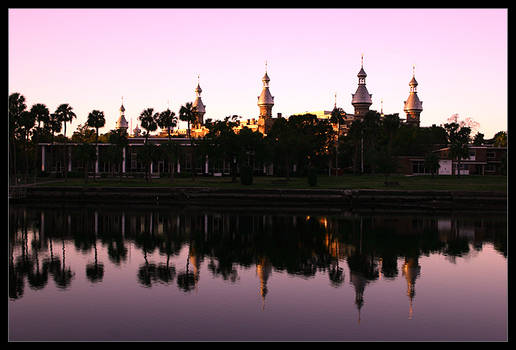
411,270
263,270
359,282
195,260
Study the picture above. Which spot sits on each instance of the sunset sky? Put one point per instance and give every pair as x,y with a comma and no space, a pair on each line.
90,58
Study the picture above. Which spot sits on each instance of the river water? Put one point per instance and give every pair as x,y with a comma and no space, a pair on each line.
166,274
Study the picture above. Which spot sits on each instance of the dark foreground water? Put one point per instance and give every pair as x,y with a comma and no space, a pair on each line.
165,274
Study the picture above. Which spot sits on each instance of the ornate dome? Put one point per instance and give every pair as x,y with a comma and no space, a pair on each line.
361,96
265,97
199,106
413,103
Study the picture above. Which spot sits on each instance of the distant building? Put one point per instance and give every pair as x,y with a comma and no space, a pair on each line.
483,160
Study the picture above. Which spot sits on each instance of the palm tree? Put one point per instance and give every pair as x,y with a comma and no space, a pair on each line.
41,115
148,120
119,139
16,107
65,114
86,153
96,120
458,139
168,120
337,117
187,114
26,123
54,125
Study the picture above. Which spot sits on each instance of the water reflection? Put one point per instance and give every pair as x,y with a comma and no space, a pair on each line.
370,246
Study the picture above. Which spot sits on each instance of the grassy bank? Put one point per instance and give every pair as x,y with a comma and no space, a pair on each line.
464,183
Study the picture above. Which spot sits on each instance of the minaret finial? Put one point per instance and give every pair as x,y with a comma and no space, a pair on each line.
381,110
265,66
413,70
335,106
362,61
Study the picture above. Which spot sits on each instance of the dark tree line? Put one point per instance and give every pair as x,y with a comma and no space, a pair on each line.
293,146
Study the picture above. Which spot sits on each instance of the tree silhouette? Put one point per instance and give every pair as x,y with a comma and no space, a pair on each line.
64,114
187,114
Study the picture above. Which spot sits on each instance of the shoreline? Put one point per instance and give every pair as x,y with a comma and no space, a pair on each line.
296,199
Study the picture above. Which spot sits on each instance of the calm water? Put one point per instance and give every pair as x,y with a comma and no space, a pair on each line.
165,274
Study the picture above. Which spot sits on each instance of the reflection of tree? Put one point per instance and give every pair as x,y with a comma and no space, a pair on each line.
186,280
224,270
16,283
147,273
166,272
54,264
95,271
301,246
37,279
63,277
117,251
336,274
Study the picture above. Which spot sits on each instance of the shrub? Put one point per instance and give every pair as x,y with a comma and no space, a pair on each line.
312,177
246,175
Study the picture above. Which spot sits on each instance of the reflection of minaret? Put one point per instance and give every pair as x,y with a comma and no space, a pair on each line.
359,282
411,271
263,270
196,263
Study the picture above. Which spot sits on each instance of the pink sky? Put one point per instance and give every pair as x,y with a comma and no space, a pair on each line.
91,58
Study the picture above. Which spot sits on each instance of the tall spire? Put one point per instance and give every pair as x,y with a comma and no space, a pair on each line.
265,103
121,123
361,99
200,108
335,105
198,89
413,106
